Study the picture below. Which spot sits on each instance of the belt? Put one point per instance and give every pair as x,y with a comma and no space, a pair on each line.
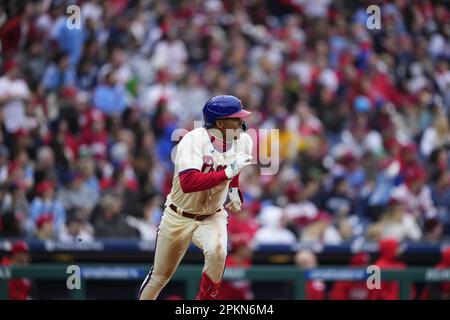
197,217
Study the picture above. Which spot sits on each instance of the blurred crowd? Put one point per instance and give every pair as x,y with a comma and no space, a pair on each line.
87,115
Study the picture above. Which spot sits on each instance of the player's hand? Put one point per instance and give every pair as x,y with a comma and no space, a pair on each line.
235,203
242,160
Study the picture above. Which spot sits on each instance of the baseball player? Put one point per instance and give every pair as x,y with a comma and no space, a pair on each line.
207,165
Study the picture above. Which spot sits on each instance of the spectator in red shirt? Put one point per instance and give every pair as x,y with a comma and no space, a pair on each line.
241,225
439,290
315,289
388,259
240,257
445,264
19,288
352,290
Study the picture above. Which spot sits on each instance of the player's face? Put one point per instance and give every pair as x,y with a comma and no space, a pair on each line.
230,127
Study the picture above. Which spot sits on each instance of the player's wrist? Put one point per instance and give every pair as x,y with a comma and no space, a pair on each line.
229,172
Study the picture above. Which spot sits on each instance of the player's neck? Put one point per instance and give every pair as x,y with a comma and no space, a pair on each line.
218,143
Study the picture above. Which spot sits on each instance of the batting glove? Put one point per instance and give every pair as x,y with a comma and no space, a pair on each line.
242,160
235,203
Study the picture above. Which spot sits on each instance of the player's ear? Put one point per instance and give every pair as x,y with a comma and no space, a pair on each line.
219,124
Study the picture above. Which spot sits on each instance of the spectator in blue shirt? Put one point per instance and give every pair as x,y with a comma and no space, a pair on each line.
69,40
59,74
109,96
45,203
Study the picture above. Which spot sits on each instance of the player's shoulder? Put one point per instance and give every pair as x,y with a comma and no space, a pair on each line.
197,134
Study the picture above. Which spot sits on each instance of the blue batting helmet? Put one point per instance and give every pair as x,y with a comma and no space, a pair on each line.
224,106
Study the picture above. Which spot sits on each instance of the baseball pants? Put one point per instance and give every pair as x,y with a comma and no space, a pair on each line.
174,236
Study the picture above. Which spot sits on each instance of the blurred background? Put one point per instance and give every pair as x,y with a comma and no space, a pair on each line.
87,116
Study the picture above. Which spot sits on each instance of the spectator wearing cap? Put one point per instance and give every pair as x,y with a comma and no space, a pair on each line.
352,290
45,227
240,258
19,288
46,205
14,96
389,251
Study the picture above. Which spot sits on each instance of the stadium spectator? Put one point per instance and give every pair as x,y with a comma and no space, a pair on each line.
352,290
20,288
111,221
76,230
75,194
46,209
14,96
389,251
147,219
58,75
440,192
109,96
272,230
14,208
240,257
395,223
436,136
242,226
315,289
439,291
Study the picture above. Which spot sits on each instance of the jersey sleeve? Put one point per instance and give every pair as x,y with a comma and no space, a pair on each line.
189,153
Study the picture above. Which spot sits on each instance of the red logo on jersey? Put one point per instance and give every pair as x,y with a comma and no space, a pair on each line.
208,163
208,160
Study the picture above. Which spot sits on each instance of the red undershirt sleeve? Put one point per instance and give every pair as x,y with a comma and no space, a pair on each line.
192,180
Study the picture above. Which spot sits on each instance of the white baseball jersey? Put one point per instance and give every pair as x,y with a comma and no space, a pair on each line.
195,151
